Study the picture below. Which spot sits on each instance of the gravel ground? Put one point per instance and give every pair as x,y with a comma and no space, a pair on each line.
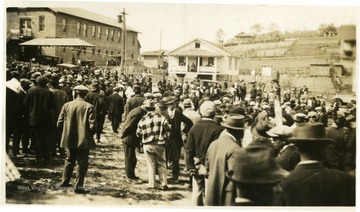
105,179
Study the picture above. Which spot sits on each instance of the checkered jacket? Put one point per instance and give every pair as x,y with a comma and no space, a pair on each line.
153,128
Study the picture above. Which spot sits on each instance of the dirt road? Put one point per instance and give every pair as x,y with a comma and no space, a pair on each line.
105,179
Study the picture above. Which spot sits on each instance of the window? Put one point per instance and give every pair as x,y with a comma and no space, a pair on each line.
210,61
41,23
132,56
64,24
25,26
119,36
118,53
106,52
93,51
99,51
236,64
107,34
230,63
99,32
78,26
85,29
197,45
93,31
181,61
112,35
112,52
133,41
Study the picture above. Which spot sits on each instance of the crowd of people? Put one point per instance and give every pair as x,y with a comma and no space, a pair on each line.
243,145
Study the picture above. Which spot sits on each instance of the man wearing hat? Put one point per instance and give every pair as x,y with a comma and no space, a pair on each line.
76,120
131,141
200,136
217,160
96,97
39,103
311,183
175,119
287,154
256,176
153,129
60,100
134,101
115,109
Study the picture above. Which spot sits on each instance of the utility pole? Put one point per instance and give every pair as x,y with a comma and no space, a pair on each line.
122,19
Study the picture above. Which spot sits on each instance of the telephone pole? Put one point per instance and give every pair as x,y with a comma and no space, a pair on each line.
122,19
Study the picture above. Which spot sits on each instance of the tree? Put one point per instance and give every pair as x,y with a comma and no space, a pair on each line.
274,30
220,35
256,29
327,30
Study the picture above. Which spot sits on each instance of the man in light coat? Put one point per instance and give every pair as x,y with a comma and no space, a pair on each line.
221,190
76,120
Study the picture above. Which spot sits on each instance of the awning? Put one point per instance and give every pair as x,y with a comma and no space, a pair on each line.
75,42
197,53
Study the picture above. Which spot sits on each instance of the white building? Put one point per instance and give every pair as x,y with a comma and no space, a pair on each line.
203,59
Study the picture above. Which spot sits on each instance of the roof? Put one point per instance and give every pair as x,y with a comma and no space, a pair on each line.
56,42
217,47
153,53
91,16
243,34
197,52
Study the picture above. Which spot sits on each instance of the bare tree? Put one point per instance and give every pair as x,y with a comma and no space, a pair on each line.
256,29
220,35
274,30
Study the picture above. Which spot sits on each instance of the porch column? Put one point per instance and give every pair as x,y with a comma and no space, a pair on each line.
198,64
186,63
215,64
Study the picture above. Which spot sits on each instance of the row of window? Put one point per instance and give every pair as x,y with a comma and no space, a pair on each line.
210,61
107,52
82,29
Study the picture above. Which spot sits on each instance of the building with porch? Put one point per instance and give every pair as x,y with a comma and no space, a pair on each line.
154,59
202,59
33,23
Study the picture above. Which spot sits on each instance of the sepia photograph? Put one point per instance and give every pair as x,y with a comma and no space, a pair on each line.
179,105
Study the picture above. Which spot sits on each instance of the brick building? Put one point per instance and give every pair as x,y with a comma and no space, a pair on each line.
104,33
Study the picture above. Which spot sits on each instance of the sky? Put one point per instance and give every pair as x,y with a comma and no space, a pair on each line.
169,24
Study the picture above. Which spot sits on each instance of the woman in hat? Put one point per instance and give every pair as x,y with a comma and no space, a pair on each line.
217,162
256,177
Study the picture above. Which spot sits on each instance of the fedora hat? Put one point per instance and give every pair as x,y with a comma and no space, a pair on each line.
281,130
149,103
259,129
170,100
235,122
255,165
161,104
310,132
187,103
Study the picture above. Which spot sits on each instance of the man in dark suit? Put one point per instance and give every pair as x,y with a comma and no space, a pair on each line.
39,103
311,183
130,140
116,109
175,118
135,101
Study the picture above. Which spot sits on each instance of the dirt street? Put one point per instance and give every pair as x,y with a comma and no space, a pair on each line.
105,179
